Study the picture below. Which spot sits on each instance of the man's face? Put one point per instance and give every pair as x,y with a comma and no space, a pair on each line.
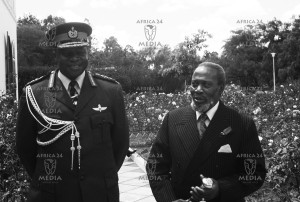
72,61
205,90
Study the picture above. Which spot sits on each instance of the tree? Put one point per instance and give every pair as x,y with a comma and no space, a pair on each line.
29,20
31,39
113,52
247,54
28,38
185,57
52,21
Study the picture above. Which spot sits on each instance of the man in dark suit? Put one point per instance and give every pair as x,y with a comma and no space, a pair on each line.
72,132
208,139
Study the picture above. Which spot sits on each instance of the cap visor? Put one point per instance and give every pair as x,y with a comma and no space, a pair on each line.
73,45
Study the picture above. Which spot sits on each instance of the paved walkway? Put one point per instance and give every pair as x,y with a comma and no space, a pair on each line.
133,183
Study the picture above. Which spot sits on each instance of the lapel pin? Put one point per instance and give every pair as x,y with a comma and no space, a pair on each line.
226,131
99,108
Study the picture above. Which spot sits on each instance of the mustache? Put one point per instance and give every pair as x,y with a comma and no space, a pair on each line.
198,95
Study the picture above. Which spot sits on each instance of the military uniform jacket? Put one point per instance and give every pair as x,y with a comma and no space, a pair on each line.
101,121
178,156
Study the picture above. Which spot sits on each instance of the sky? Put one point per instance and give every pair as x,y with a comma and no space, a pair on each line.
174,19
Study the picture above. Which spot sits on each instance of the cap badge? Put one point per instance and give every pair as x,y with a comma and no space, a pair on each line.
72,33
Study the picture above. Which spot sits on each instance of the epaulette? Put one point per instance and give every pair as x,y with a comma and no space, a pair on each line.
37,79
106,78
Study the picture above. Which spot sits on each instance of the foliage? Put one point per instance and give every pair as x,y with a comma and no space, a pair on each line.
246,56
27,74
52,21
185,58
13,179
29,20
32,47
248,52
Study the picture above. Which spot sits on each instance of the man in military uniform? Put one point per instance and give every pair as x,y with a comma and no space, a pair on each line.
72,131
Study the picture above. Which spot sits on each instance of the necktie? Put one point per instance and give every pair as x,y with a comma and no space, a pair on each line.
73,92
201,124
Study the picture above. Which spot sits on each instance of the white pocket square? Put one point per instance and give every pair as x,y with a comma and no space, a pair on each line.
225,149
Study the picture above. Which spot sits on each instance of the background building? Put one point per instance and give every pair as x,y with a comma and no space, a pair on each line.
8,46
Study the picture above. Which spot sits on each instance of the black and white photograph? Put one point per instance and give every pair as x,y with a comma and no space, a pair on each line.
149,101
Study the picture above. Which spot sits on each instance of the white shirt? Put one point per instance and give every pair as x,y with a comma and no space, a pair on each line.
66,81
210,114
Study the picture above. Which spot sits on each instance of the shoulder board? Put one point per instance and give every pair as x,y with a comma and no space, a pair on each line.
106,78
37,80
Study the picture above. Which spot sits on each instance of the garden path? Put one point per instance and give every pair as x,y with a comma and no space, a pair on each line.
133,183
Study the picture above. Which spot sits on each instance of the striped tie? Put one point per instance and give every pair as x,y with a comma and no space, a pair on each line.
73,92
201,124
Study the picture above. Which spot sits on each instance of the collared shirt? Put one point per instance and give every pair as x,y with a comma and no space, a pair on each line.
210,113
66,81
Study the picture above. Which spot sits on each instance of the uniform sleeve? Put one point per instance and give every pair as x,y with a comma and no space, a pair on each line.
159,165
26,136
120,132
251,168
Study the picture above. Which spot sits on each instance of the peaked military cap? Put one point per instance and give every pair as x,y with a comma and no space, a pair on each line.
69,35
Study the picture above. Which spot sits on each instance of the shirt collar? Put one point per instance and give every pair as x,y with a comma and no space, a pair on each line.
66,81
210,113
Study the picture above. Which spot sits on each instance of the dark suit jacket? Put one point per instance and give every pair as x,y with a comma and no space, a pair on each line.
178,157
104,140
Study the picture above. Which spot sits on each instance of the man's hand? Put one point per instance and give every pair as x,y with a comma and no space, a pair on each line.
198,193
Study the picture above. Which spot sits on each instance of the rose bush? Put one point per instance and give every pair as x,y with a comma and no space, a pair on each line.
277,116
13,178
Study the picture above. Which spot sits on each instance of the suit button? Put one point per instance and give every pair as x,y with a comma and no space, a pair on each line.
81,177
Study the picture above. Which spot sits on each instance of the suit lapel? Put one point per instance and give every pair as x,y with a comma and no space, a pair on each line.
188,132
87,92
212,140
